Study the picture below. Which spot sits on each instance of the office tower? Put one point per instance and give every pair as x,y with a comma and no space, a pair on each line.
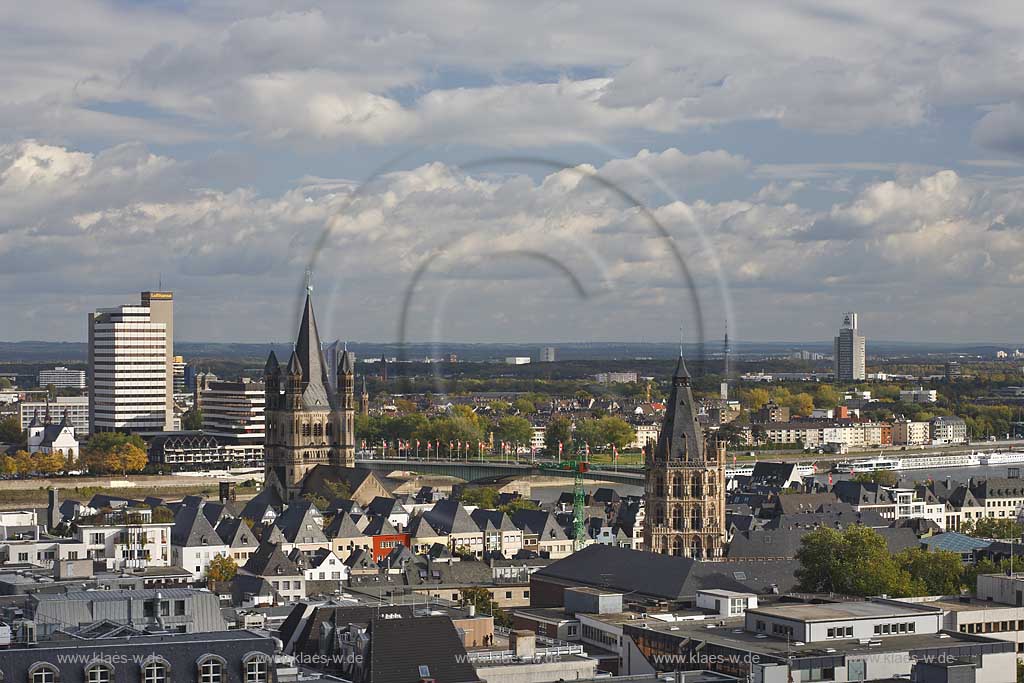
62,378
684,482
179,375
307,424
850,351
233,412
547,354
953,371
131,366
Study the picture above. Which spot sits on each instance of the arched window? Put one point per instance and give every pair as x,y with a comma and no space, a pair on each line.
677,486
677,546
256,669
677,518
99,673
211,670
698,486
42,673
695,549
154,671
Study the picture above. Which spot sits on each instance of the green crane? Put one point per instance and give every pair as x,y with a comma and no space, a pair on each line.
579,497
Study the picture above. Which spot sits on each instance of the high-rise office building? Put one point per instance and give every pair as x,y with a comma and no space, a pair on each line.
131,366
850,351
233,412
179,374
547,354
62,378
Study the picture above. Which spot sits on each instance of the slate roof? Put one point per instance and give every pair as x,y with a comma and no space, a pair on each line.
680,436
804,502
419,527
492,520
541,523
773,475
342,526
402,647
270,560
665,577
316,393
256,507
191,528
785,543
449,517
300,523
380,526
235,532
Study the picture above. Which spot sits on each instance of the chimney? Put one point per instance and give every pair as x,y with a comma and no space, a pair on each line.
53,508
524,643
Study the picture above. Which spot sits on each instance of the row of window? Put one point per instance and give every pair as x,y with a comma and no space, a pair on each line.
894,629
993,626
211,669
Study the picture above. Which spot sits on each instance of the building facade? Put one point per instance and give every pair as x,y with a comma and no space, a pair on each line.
131,367
62,378
850,351
233,412
307,424
685,482
77,408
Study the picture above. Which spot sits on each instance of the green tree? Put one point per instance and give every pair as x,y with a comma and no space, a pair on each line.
559,430
993,527
480,598
192,420
10,430
615,430
514,429
482,497
756,398
109,452
524,406
855,561
826,396
932,573
882,477
222,568
588,432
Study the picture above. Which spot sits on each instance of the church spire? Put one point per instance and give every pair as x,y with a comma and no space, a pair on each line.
681,437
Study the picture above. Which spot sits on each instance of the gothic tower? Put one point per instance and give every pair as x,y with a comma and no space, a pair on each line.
307,424
364,400
685,481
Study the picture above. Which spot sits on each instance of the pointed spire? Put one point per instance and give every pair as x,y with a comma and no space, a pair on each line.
315,379
295,365
65,419
272,365
46,417
35,419
681,373
346,366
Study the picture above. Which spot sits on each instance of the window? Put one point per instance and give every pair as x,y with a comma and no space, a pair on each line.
211,671
43,673
256,670
154,672
179,608
99,673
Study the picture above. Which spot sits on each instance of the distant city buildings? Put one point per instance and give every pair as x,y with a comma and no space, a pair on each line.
62,378
850,351
179,381
616,378
517,360
947,429
547,354
131,366
919,395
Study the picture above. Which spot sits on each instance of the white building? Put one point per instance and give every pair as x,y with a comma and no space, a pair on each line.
131,366
517,360
948,429
616,378
77,408
45,437
125,539
547,354
62,378
233,413
918,395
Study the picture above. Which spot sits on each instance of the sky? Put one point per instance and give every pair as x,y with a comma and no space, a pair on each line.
528,171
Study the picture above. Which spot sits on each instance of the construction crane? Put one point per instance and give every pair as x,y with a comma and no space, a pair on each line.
579,497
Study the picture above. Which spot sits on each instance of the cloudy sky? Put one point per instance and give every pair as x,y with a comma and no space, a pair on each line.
516,171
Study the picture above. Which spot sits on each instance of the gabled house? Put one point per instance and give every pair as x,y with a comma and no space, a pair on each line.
345,537
194,542
422,536
240,539
449,518
542,533
287,577
301,524
500,535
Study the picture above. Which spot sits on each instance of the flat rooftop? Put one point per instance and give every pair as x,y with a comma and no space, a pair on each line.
845,610
733,636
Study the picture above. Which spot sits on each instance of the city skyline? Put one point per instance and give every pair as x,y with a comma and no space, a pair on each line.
228,150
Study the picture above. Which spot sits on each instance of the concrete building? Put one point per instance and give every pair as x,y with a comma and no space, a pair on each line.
909,433
233,412
918,395
547,354
616,378
517,360
77,408
131,367
62,378
850,351
127,538
948,429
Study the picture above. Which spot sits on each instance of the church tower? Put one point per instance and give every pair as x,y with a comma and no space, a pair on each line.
685,481
307,424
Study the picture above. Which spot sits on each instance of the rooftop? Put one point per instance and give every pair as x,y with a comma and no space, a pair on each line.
875,609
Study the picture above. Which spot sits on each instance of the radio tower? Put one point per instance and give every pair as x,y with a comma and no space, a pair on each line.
724,388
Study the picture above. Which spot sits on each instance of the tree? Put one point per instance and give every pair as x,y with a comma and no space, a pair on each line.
192,420
499,407
826,396
24,463
109,452
617,431
482,497
10,430
881,477
514,429
932,573
855,561
559,431
993,527
5,383
524,406
515,504
222,568
755,398
8,466
588,432
481,598
49,463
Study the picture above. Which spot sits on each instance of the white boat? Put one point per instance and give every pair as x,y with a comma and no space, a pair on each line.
926,462
746,470
1001,458
869,465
